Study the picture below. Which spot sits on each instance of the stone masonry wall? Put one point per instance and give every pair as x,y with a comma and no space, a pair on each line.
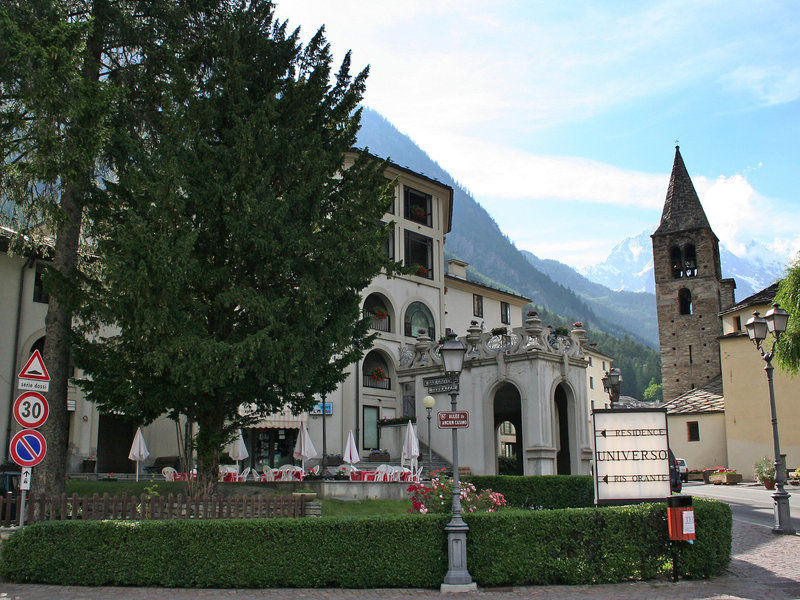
689,345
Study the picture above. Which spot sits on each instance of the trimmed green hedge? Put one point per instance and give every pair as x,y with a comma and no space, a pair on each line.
513,547
540,491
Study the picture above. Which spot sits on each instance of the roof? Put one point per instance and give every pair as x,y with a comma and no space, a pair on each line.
682,208
706,399
765,296
487,287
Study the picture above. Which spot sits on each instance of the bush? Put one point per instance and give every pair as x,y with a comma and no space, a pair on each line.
438,496
512,547
540,491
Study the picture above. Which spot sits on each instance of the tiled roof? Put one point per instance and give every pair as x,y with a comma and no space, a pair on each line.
705,399
765,296
682,208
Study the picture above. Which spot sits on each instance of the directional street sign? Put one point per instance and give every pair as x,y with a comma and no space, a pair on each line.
28,448
34,375
25,479
440,384
453,419
31,409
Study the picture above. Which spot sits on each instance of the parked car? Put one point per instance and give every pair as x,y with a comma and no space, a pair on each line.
683,469
675,483
9,482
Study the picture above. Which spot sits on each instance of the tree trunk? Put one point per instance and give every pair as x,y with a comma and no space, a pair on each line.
50,475
209,439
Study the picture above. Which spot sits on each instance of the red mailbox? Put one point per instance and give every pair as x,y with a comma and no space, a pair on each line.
680,516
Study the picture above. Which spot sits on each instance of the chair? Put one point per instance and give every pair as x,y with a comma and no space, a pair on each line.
169,473
289,472
383,473
267,475
246,473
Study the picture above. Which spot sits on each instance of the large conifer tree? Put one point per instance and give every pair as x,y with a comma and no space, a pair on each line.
236,243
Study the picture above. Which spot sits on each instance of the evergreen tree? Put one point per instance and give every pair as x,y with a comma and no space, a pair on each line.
236,244
65,70
788,351
654,392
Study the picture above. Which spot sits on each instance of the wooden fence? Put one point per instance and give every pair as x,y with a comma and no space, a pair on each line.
137,508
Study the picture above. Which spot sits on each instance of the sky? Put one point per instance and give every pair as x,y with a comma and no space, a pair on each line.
562,117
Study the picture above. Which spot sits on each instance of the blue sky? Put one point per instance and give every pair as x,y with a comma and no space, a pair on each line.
561,117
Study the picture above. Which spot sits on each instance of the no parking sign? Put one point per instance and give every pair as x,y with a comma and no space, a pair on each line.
28,448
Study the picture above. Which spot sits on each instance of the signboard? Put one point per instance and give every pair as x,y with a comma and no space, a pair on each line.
453,419
31,410
631,455
440,384
25,479
317,410
27,448
34,375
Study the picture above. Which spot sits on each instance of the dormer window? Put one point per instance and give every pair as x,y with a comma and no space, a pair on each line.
418,207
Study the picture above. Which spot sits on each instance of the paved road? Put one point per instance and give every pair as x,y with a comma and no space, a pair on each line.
764,567
750,503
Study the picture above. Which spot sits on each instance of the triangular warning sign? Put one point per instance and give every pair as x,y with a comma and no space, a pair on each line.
34,368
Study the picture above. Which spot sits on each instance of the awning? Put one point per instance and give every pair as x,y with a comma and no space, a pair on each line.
279,420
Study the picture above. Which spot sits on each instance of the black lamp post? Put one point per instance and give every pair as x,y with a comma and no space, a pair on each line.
429,402
457,577
611,384
774,322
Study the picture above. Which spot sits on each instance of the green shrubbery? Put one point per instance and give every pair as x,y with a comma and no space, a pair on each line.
540,491
512,547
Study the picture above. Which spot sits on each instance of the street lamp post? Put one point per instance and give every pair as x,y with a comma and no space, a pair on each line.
457,577
775,322
611,384
429,402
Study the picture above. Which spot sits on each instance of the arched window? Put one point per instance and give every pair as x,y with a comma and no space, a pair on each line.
685,301
690,260
676,262
419,320
376,371
376,309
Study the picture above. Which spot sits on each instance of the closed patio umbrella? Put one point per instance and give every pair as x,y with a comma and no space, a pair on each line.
236,449
138,450
410,448
304,447
351,456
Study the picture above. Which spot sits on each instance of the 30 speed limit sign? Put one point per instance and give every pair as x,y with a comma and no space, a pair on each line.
31,410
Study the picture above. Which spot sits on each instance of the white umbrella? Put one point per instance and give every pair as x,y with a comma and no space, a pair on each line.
236,449
138,450
410,447
304,448
351,456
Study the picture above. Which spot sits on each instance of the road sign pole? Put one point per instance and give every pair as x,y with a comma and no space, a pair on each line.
22,495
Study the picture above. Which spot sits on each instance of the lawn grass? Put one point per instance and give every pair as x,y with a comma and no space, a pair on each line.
363,508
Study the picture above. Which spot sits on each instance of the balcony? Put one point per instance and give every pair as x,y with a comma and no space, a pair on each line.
380,324
380,384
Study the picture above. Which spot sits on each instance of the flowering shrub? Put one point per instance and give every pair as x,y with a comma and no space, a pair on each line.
438,497
377,374
379,314
724,470
499,331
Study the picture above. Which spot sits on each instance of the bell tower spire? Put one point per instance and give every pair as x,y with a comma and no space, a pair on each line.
690,290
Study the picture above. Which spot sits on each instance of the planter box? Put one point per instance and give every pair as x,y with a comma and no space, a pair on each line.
378,457
694,476
725,478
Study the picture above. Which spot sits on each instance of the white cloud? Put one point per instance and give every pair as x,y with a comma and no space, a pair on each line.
770,85
501,172
738,214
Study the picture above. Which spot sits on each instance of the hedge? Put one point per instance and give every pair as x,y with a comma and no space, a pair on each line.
512,547
540,491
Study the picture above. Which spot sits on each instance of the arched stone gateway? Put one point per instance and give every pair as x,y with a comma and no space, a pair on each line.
508,430
525,392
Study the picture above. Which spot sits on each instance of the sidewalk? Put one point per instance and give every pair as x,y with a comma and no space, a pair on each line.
764,567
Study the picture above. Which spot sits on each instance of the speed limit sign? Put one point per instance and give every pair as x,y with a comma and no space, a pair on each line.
31,410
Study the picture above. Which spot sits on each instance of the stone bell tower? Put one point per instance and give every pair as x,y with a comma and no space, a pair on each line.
690,290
